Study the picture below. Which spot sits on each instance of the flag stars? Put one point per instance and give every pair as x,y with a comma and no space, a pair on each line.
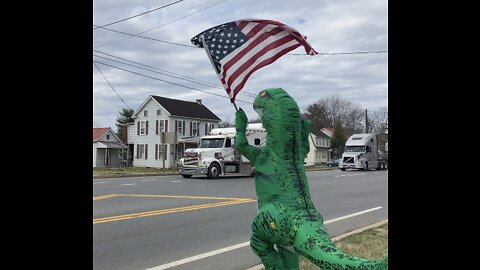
227,41
224,52
235,35
242,40
229,34
219,46
226,46
222,34
234,41
220,40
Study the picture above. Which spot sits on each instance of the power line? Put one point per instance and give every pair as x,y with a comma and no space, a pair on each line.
190,14
154,39
177,84
191,46
111,85
155,9
340,53
178,76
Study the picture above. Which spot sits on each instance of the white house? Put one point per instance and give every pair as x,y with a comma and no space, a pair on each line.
165,127
107,148
320,148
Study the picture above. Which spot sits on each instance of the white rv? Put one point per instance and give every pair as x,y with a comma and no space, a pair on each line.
362,152
216,154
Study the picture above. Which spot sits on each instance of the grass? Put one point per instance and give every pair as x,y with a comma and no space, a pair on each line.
130,171
371,244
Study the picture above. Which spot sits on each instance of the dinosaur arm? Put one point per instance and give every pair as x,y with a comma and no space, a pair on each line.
241,142
305,133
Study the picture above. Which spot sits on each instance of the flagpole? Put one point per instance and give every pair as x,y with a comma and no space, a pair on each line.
235,105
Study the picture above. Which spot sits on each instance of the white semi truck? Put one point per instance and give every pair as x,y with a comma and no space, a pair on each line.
216,154
362,152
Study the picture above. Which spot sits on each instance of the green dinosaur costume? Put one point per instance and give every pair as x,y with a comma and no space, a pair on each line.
286,214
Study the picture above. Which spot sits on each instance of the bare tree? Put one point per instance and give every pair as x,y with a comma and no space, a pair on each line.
378,121
324,112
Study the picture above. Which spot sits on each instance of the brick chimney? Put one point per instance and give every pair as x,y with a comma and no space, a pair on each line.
199,101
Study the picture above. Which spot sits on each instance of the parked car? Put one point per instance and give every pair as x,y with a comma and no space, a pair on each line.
333,163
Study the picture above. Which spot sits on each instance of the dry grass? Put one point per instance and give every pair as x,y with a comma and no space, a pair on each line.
130,171
371,244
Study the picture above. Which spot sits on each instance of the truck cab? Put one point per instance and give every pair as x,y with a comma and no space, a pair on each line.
216,154
361,152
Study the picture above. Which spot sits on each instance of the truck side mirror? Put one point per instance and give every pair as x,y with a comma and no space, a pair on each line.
256,141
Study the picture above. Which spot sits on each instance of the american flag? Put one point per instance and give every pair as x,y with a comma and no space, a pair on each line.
237,49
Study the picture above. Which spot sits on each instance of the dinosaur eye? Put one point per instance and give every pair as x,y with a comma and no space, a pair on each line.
264,94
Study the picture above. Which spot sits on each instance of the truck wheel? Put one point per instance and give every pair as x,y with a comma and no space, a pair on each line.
366,166
343,169
213,171
186,175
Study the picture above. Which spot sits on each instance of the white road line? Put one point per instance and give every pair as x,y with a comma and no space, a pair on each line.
222,250
127,184
149,180
352,215
101,183
176,181
354,174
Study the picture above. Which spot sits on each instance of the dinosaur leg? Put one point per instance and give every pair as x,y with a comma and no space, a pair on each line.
313,242
265,233
289,258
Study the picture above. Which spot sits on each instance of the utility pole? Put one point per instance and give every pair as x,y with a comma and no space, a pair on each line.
366,121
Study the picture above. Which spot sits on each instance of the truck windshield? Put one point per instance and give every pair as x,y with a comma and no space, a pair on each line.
211,143
354,148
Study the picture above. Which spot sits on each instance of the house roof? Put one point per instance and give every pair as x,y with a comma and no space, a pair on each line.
320,134
185,108
98,133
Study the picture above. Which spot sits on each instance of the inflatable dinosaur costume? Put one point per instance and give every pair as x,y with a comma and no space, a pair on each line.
286,214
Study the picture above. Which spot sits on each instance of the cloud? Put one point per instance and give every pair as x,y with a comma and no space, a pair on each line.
330,27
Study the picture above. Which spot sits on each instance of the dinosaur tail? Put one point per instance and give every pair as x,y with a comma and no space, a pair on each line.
313,242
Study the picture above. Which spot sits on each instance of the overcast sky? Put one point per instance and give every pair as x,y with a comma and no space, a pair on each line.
331,26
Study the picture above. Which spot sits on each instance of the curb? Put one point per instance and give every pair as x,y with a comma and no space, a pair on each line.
336,238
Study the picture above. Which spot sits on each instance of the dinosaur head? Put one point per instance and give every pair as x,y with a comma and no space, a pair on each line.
277,109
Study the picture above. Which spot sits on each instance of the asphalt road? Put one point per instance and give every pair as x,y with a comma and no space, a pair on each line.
163,222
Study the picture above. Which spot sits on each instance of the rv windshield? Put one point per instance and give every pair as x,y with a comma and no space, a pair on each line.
354,148
211,143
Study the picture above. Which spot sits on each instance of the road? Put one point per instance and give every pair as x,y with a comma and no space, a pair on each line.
165,222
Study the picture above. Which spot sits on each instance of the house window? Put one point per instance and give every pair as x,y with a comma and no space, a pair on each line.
141,151
145,113
317,154
162,125
210,127
195,129
159,112
143,127
181,127
108,137
160,150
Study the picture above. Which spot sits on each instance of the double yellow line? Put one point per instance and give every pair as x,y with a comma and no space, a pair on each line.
230,201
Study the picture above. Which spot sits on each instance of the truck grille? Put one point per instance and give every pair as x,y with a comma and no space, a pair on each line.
348,160
190,158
